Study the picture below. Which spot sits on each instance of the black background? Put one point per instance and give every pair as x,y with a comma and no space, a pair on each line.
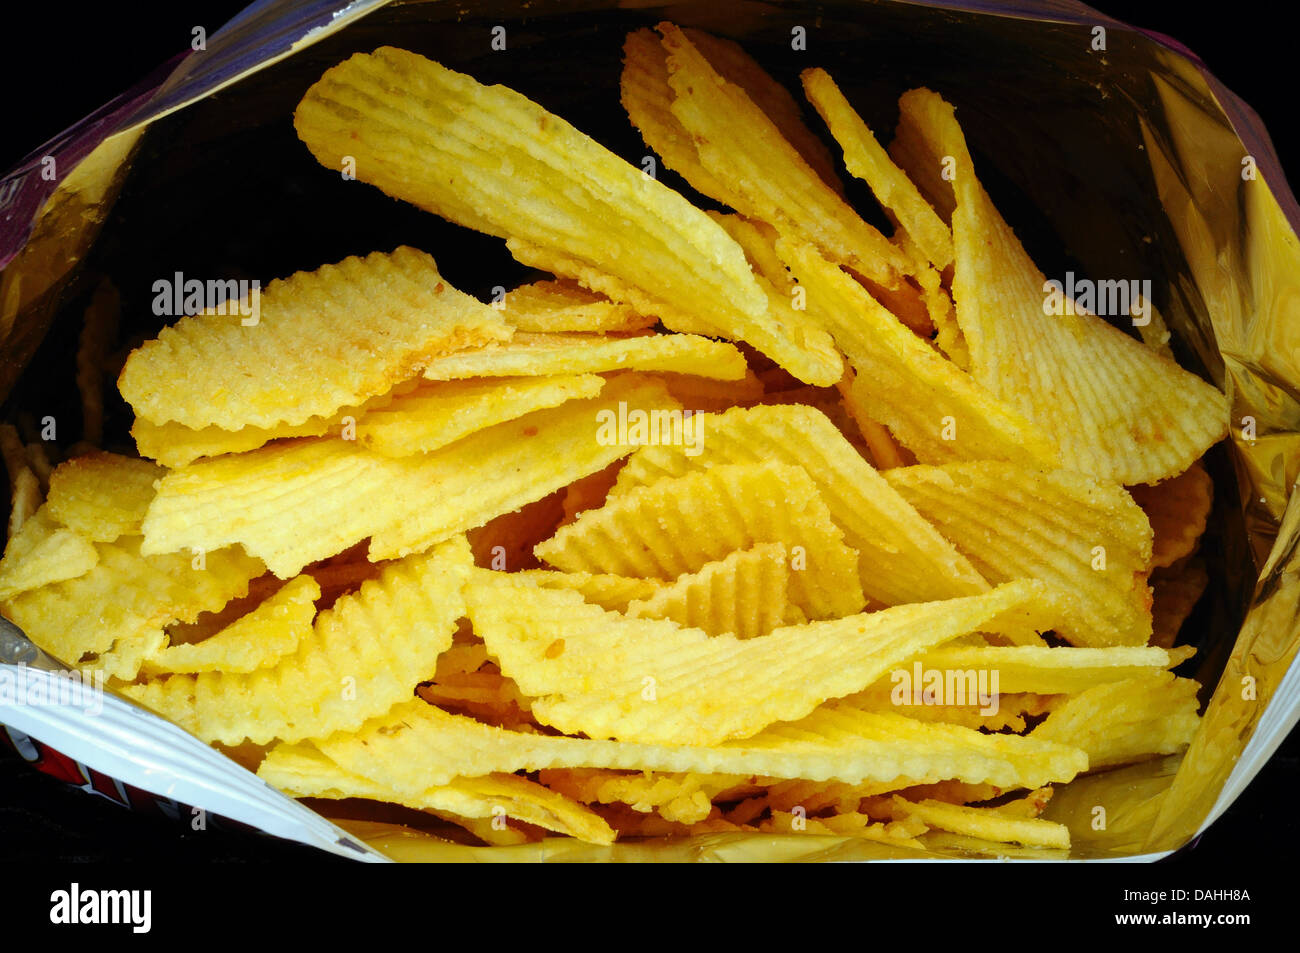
59,62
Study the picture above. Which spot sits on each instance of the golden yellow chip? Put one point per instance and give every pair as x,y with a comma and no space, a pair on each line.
41,553
934,408
755,170
986,823
743,594
867,160
1086,538
602,589
1126,720
609,676
535,354
102,496
913,149
675,526
884,451
318,341
805,351
902,558
127,599
295,503
175,445
1117,409
339,676
27,499
1037,669
682,798
953,696
257,640
1178,509
563,306
817,796
491,159
736,66
439,414
302,771
844,825
417,745
647,98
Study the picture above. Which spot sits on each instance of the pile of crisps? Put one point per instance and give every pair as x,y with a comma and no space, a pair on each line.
642,549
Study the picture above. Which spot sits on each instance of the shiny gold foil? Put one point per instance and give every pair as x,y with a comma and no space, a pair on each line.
1119,162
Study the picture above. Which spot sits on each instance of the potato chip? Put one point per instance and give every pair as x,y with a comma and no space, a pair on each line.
27,499
174,445
825,399
606,675
102,496
647,98
1043,670
259,639
321,340
902,558
884,451
867,160
743,594
972,707
754,169
564,306
654,531
938,305
682,798
987,823
127,599
1117,409
536,354
805,351
342,674
436,415
41,553
34,450
1176,592
417,745
602,589
493,160
129,655
26,491
294,503
1154,331
1122,721
739,68
1087,539
843,825
523,460
1178,509
302,771
818,796
1031,805
934,408
914,149
98,332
